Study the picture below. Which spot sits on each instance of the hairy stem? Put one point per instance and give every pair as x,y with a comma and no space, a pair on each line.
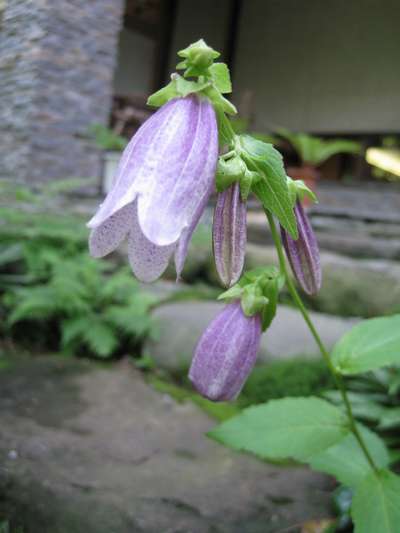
340,384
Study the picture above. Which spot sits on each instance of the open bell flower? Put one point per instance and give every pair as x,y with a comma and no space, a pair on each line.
226,353
303,254
229,235
163,183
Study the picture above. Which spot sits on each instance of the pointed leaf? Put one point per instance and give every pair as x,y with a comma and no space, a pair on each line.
272,189
291,427
376,504
346,461
372,344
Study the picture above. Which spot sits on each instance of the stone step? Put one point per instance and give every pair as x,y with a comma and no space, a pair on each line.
90,449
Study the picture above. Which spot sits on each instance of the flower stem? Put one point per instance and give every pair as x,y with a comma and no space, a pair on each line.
340,384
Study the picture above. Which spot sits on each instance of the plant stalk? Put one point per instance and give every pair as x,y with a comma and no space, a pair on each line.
340,384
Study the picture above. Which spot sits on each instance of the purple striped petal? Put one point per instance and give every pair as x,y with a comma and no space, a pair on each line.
139,148
182,248
148,261
105,238
181,175
303,254
229,235
226,353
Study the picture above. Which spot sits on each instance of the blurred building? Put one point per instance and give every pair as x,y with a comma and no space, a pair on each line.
322,67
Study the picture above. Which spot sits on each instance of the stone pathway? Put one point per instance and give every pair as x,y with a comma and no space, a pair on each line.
92,449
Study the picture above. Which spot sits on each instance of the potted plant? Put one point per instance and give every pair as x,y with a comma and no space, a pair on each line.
112,145
312,152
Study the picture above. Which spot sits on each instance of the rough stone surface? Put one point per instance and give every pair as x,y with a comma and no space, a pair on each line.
181,324
85,449
56,69
351,287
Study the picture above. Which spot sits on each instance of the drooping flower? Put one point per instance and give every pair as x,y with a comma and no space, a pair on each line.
303,254
163,183
229,235
225,354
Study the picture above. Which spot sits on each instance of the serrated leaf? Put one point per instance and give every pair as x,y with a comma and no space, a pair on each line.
372,344
346,461
221,77
376,504
292,427
272,188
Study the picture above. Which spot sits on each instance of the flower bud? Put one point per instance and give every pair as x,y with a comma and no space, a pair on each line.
229,235
303,254
226,353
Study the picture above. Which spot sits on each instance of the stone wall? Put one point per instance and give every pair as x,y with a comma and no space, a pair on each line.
57,61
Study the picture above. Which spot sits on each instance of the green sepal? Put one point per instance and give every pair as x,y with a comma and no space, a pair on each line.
219,101
221,78
198,57
225,130
164,95
253,301
299,190
228,172
177,88
258,291
246,182
186,87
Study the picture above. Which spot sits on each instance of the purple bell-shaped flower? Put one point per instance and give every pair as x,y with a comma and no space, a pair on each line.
164,180
226,353
303,254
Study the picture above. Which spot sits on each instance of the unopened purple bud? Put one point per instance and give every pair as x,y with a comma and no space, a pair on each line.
303,254
225,354
229,235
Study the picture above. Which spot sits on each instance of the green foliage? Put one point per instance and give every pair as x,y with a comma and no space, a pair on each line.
369,345
277,379
53,291
376,504
314,150
271,189
297,428
344,460
106,139
375,399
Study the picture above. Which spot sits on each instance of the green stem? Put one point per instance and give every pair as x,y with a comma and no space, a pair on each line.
324,352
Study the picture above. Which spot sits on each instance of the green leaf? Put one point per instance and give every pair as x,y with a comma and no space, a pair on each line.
376,504
272,189
221,77
291,427
346,461
186,87
372,344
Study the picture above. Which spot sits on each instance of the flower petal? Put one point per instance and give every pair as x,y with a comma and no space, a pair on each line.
105,238
142,146
182,173
148,261
226,353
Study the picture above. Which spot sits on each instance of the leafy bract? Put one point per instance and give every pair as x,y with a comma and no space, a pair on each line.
372,344
295,428
272,189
